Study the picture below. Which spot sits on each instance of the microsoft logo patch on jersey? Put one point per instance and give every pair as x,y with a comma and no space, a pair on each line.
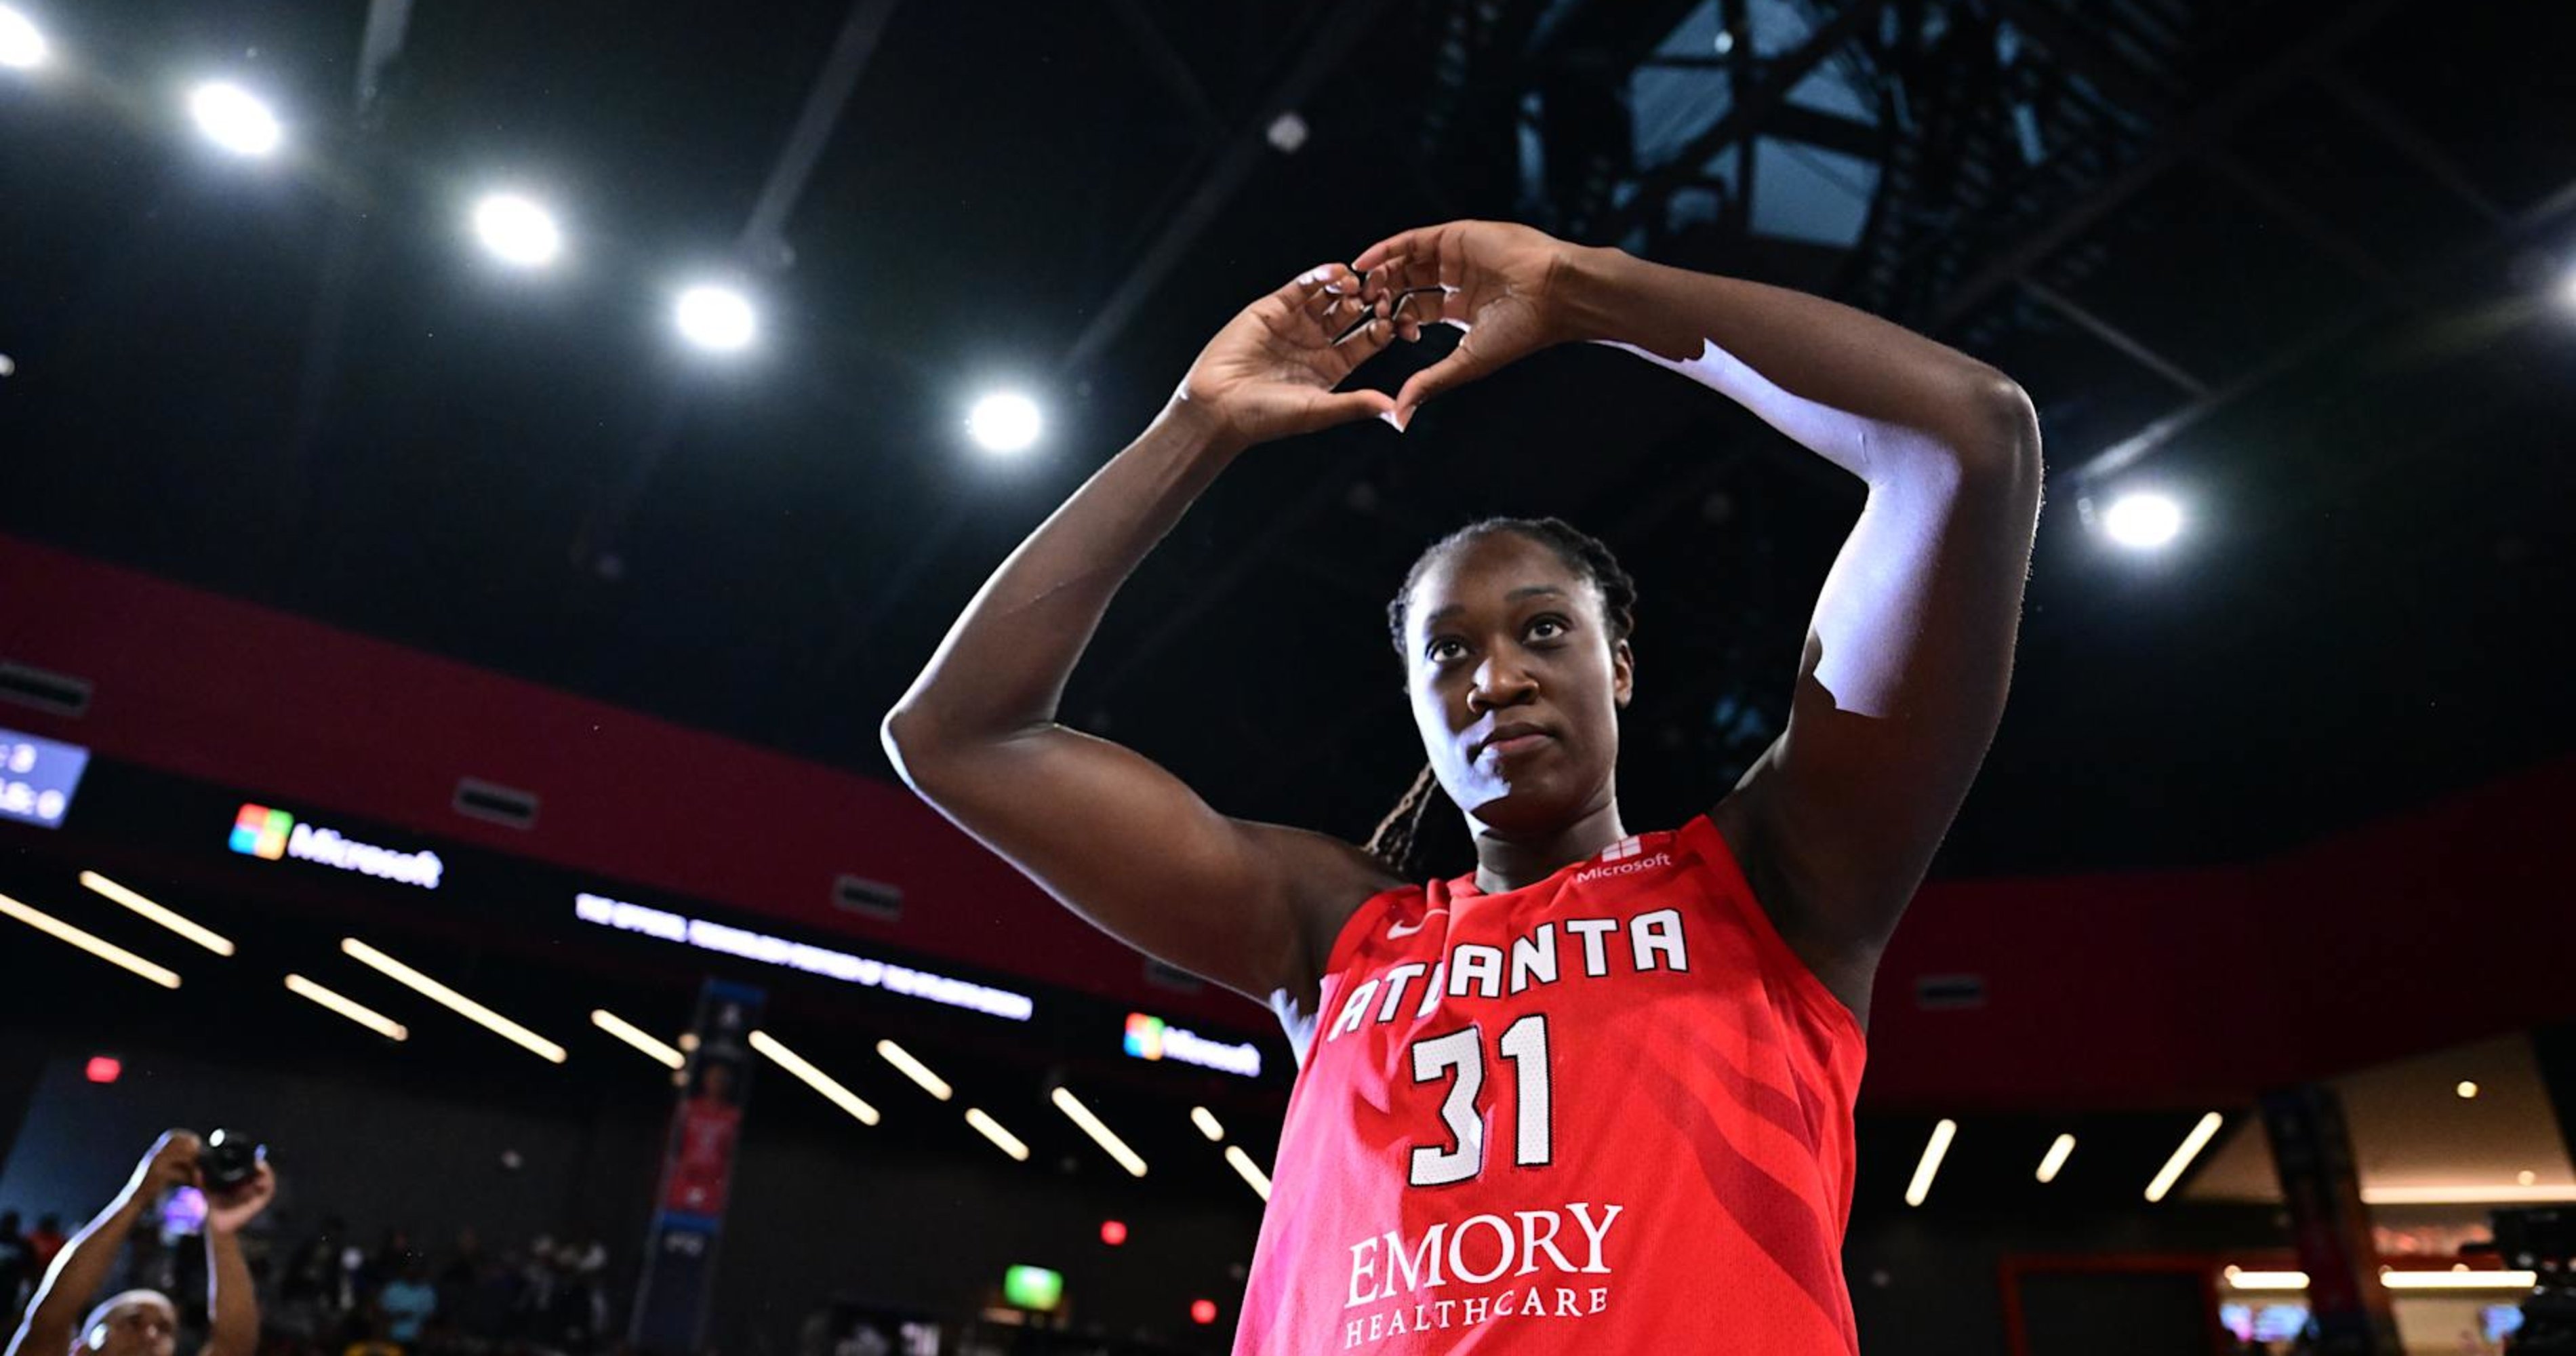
1144,1036
261,832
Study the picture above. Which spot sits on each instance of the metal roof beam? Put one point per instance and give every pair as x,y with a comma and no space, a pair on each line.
2199,131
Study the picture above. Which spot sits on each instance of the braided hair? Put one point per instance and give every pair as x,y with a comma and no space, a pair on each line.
1399,834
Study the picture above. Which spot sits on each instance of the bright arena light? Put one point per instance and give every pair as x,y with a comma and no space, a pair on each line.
2192,1144
644,1041
1005,422
451,1000
1248,1170
22,45
2143,520
168,918
1099,1131
235,119
717,319
517,231
113,954
1929,1166
348,1007
2056,1160
992,1129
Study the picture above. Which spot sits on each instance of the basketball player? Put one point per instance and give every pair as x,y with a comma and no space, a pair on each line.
145,1322
1597,1095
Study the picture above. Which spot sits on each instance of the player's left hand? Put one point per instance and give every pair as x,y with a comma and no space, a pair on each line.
226,1214
1504,284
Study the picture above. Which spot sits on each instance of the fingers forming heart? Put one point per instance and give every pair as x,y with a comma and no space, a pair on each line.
1365,315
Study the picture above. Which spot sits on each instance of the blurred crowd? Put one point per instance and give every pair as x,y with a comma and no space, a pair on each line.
327,1294
397,1299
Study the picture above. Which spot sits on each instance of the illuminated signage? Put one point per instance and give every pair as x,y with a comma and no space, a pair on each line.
1153,1038
813,960
1033,1288
259,831
38,777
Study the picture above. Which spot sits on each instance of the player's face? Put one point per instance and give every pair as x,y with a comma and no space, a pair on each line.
136,1330
1500,633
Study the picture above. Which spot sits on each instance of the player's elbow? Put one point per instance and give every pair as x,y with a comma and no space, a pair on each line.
907,733
1999,427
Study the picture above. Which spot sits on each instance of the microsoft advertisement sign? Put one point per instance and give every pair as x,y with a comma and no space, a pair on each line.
259,831
1150,1037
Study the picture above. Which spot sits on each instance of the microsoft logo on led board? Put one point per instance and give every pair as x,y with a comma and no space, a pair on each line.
1144,1036
1150,1037
261,832
271,835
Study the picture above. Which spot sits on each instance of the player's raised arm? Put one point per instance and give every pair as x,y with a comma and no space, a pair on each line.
1102,828
1902,680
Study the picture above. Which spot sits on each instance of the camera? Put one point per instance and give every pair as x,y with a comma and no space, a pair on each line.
2542,1241
229,1159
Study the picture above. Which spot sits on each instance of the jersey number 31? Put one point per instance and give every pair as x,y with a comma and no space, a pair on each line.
1460,1058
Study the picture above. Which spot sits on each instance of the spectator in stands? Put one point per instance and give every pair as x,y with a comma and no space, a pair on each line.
457,1279
47,1239
145,1322
407,1301
309,1291
371,1341
17,1264
391,1256
484,1312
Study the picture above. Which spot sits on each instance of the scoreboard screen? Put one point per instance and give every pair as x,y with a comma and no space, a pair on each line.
38,777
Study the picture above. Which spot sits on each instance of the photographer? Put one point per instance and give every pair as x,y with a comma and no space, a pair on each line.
145,1322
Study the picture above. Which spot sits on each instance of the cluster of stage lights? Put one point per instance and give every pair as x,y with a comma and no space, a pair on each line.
670,1056
2526,1189
520,232
1937,1148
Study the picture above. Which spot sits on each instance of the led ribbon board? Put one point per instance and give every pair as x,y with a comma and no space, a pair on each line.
38,777
813,960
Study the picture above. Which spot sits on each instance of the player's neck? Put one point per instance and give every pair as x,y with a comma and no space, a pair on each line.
1508,863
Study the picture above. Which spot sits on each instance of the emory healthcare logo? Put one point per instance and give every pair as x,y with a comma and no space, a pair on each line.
261,832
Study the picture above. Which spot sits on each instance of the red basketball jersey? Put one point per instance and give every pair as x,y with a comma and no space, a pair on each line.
1610,1111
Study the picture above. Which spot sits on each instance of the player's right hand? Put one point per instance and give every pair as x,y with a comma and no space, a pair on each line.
1272,371
171,1163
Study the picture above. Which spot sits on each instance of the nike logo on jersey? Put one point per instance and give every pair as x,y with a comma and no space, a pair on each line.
1408,929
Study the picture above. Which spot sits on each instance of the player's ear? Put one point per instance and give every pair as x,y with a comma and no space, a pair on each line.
1623,674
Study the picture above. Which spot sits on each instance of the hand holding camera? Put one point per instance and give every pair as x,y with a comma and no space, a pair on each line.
229,1167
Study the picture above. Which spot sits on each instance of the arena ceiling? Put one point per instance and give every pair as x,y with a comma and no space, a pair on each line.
2295,263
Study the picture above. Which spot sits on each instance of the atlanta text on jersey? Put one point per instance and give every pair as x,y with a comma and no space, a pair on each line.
1525,1253
1586,948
